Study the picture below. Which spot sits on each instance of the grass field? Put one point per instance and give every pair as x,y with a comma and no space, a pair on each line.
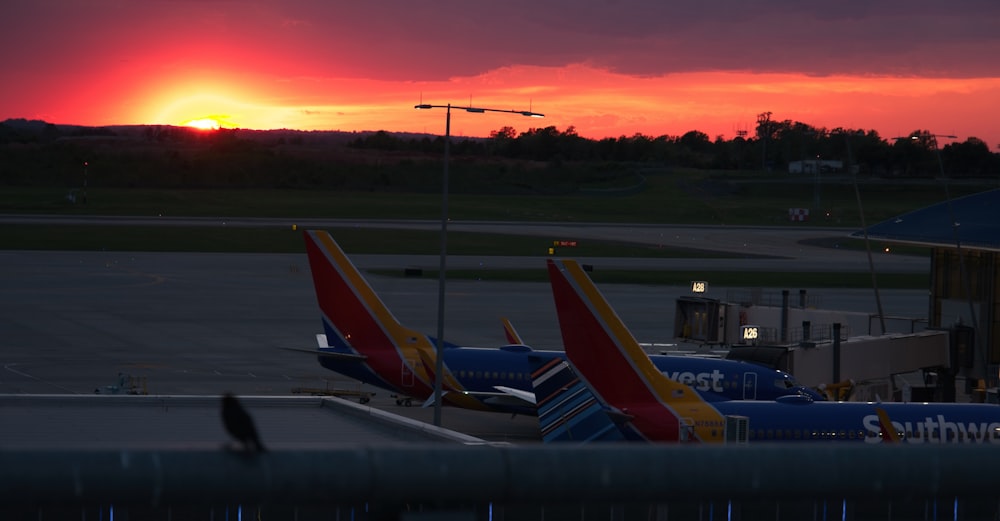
666,198
223,238
671,198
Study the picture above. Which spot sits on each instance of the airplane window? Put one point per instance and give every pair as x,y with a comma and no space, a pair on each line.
479,374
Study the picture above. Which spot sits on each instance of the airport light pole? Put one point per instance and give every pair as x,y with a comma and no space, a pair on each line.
439,355
958,243
966,280
864,228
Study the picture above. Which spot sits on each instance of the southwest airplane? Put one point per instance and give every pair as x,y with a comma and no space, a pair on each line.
362,340
623,383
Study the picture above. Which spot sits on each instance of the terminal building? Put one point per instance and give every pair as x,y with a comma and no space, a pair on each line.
951,354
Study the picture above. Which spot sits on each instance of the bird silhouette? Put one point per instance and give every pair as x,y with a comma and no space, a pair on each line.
239,424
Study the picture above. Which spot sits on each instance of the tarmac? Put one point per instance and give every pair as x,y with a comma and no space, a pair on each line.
209,323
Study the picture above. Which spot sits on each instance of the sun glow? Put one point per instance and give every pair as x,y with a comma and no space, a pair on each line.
203,111
595,102
203,124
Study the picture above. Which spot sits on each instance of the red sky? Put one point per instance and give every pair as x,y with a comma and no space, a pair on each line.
605,67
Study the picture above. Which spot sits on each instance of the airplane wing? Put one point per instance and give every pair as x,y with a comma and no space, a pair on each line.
499,398
505,396
525,396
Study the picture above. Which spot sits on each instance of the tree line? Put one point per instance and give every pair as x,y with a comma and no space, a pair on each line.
774,145
537,161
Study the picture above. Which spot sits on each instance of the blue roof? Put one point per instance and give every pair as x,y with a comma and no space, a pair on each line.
977,217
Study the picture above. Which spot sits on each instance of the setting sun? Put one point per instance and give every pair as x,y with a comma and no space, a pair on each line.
203,124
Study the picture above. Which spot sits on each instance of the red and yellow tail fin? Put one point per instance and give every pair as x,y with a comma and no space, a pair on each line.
610,360
510,333
889,433
354,317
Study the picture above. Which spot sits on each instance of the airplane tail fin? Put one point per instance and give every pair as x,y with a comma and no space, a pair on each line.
510,332
567,409
889,432
611,362
354,318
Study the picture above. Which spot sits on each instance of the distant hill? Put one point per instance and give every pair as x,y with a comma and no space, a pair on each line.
39,129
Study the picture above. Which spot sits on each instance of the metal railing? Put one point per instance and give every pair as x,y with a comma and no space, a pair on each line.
613,481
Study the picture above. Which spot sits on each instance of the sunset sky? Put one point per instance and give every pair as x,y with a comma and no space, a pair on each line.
608,68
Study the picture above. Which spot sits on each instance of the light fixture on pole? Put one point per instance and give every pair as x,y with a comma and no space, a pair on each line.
963,270
864,228
954,224
438,356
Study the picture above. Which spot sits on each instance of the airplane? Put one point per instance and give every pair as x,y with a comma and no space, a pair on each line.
364,341
646,405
